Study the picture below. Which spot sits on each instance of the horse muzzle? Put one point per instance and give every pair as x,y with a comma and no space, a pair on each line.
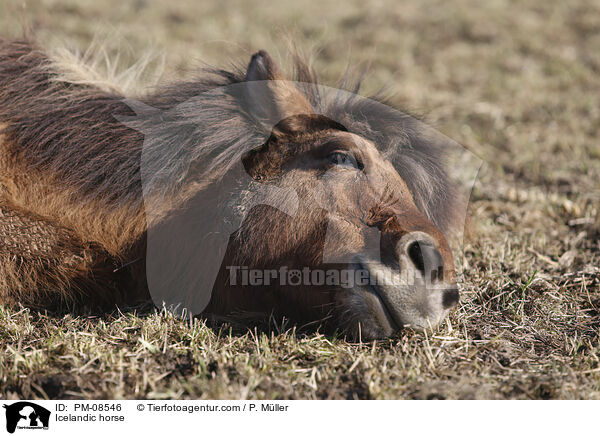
413,288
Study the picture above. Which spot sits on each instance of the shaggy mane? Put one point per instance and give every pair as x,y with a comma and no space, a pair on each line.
77,131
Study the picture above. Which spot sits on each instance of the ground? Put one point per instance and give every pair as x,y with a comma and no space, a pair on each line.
515,82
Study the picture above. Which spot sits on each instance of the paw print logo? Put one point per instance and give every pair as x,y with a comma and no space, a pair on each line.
294,277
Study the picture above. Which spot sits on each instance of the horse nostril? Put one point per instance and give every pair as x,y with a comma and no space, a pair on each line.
426,259
450,298
416,256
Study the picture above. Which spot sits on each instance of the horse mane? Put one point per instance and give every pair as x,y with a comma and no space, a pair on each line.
93,139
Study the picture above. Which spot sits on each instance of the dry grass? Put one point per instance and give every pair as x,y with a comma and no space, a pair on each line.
516,83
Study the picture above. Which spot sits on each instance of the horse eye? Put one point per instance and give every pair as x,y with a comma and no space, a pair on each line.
343,159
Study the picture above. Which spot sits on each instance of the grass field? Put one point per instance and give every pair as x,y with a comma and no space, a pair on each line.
518,83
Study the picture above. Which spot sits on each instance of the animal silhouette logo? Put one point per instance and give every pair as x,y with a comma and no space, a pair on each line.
286,185
26,415
180,279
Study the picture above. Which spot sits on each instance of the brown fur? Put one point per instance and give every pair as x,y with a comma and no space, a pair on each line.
72,217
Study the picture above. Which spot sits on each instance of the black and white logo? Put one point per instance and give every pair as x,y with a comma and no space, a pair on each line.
26,415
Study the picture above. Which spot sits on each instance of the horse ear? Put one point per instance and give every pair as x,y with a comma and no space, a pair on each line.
271,97
258,165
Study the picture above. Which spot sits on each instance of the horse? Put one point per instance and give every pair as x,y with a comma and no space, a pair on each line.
82,191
